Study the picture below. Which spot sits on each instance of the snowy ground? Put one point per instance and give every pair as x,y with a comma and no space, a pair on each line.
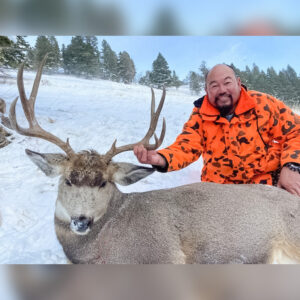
92,113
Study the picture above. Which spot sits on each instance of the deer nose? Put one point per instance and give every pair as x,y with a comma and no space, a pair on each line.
81,224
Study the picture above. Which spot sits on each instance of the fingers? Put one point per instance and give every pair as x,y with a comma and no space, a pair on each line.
141,153
293,189
150,157
279,185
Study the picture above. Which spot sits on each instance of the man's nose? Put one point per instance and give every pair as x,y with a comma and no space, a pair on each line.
222,89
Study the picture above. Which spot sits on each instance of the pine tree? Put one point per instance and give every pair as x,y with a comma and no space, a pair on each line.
126,68
30,58
160,75
109,62
5,43
271,82
81,56
203,73
42,46
175,80
292,86
54,57
195,83
73,57
21,51
15,53
92,56
48,45
145,80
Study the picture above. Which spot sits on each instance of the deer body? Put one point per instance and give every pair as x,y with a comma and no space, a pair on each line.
197,223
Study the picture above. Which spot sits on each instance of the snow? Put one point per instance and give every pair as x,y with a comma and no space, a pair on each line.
92,113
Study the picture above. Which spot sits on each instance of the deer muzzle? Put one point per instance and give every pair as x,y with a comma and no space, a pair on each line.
81,225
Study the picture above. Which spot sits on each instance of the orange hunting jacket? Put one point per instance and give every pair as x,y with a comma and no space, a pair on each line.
262,136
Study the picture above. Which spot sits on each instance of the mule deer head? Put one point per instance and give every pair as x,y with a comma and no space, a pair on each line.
87,178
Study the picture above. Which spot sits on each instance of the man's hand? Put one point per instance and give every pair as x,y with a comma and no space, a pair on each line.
290,181
150,157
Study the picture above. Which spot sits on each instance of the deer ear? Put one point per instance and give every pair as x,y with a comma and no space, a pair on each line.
50,163
127,174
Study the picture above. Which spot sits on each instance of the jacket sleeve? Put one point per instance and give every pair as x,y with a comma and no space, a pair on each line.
286,130
188,145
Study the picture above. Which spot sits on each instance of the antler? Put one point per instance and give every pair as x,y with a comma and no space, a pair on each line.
145,141
34,129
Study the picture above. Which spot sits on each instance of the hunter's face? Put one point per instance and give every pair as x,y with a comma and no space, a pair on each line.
223,89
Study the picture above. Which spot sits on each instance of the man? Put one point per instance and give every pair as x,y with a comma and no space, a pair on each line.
243,136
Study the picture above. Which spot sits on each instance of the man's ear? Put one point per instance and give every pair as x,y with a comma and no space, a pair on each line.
239,82
127,173
50,163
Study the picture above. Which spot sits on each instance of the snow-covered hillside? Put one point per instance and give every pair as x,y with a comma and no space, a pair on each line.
92,113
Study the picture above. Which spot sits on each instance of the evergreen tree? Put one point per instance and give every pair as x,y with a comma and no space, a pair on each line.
30,58
48,45
160,75
14,54
92,56
5,43
175,80
42,46
271,82
21,51
54,56
81,56
195,83
109,62
64,58
145,80
203,73
126,68
289,85
73,60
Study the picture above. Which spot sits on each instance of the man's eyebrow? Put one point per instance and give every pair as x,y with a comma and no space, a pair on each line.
214,81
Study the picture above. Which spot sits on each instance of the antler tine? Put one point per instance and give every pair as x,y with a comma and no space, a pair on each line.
20,83
34,129
37,80
145,141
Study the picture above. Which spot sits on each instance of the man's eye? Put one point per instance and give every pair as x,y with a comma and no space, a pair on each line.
67,182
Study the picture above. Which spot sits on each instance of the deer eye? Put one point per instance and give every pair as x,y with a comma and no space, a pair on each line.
67,182
103,184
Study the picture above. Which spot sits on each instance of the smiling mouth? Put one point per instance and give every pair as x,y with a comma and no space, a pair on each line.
223,98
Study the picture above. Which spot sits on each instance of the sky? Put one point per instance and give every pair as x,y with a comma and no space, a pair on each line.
185,53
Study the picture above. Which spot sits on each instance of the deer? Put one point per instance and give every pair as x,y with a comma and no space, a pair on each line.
199,223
